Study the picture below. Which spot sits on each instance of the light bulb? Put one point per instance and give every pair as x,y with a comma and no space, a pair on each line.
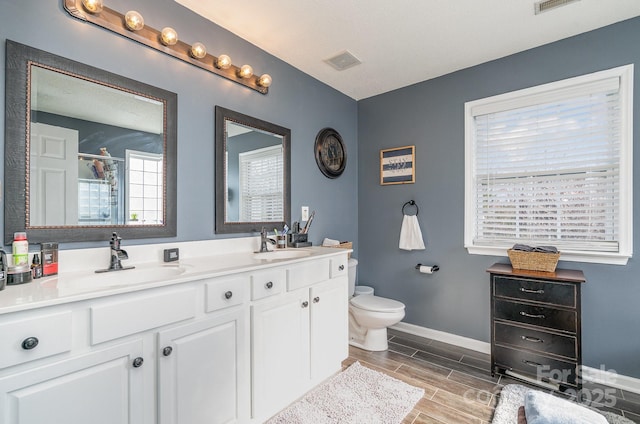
246,71
265,80
93,6
223,62
198,50
134,20
168,36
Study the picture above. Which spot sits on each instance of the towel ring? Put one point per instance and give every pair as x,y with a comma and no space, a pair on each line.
410,203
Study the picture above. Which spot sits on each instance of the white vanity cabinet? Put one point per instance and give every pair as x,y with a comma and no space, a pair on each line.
299,337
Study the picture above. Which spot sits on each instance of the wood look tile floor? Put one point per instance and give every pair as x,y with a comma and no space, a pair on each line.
458,385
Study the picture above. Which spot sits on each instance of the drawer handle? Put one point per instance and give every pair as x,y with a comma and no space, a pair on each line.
269,285
316,299
532,339
524,314
137,363
539,291
228,294
305,304
167,351
531,363
341,267
30,343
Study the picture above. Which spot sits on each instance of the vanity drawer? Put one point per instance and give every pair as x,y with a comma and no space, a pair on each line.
307,274
537,366
267,283
536,340
553,293
339,266
113,319
34,338
225,292
553,318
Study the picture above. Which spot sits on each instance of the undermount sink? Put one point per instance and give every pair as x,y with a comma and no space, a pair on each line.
281,254
119,278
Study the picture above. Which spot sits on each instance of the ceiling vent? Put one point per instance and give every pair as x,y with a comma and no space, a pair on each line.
546,5
343,60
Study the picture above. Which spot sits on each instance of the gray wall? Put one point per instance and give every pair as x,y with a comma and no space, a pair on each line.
431,116
295,101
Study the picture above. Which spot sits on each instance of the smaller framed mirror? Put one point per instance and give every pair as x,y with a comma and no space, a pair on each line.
253,166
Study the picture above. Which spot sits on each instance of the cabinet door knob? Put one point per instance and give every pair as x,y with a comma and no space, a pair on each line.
305,304
137,363
531,363
269,285
524,314
30,342
316,299
228,294
539,291
341,267
532,339
167,351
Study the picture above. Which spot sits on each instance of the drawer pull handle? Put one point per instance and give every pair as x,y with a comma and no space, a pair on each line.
531,363
167,351
341,267
305,304
539,291
524,314
269,285
228,295
137,363
30,343
532,339
316,299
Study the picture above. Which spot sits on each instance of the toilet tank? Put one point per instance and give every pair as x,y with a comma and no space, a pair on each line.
353,269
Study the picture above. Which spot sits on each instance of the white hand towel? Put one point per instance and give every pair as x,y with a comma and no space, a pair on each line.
410,234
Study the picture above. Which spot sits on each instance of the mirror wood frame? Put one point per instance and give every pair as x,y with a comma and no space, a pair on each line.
19,58
222,116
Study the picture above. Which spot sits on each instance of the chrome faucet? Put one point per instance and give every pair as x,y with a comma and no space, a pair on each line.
117,254
264,239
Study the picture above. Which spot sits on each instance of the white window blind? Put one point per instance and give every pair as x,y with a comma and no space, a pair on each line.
261,183
547,168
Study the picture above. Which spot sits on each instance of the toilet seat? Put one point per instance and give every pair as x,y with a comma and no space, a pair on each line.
377,304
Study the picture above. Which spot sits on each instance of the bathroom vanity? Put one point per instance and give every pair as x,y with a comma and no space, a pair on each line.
229,338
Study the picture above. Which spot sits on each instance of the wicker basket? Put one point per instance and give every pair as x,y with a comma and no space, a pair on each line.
533,261
344,245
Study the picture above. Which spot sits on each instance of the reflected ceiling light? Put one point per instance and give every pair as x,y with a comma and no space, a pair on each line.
223,62
198,50
134,20
265,80
93,6
246,71
168,36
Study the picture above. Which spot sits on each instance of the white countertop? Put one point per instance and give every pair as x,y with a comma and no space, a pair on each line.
75,284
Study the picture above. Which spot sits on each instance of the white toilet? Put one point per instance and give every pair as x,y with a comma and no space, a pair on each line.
369,315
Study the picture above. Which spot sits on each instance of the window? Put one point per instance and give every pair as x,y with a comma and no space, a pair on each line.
261,183
552,165
144,190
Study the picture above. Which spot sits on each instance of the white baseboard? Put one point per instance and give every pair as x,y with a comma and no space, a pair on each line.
601,376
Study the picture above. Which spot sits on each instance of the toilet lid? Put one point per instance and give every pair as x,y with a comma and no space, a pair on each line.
377,304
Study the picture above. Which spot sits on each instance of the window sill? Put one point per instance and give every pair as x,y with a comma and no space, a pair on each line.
570,256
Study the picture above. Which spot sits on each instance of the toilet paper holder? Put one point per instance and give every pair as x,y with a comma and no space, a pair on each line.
429,269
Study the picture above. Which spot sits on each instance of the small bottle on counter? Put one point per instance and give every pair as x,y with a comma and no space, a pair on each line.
49,252
20,249
36,267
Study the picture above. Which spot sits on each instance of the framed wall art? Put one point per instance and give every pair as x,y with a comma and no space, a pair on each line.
397,165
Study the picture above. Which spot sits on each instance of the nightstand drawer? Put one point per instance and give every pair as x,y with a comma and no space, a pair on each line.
556,319
553,293
537,366
535,340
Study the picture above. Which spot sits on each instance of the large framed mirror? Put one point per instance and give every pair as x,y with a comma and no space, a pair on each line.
87,152
253,167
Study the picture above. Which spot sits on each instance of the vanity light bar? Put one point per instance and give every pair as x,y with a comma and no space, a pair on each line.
115,22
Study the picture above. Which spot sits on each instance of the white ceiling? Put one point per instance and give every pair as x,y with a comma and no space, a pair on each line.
401,42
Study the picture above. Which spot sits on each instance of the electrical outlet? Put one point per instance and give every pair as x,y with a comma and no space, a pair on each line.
305,213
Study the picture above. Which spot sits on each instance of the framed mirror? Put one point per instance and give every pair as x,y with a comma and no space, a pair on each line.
253,167
87,152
